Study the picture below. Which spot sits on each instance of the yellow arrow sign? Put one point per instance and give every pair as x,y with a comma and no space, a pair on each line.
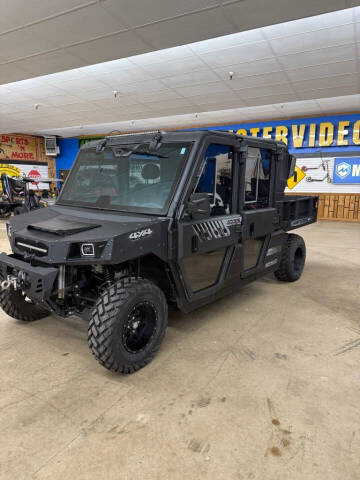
296,178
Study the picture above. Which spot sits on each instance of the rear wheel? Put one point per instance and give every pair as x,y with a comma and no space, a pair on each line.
17,305
127,325
293,259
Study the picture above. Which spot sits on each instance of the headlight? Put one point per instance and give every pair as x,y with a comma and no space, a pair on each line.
87,250
9,231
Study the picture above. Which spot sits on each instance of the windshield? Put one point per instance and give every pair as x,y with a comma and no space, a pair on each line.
125,177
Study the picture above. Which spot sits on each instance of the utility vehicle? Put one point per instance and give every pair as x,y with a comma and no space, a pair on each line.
148,219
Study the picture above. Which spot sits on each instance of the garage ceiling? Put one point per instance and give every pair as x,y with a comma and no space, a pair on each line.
38,37
307,66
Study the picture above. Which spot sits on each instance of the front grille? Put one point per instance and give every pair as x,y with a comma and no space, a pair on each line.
30,246
211,229
39,286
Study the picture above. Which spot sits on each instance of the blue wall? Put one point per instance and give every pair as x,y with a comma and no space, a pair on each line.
69,148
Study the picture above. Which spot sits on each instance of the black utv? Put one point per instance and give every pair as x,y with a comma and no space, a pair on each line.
148,219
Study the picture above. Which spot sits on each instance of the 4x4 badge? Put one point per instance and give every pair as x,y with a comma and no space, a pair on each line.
140,234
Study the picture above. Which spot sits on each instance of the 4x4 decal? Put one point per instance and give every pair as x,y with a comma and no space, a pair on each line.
140,234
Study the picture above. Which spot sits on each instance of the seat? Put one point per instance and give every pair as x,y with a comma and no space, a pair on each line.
146,192
150,171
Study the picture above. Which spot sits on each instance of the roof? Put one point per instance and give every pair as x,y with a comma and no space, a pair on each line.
181,135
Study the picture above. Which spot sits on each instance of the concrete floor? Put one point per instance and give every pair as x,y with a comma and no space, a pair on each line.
263,384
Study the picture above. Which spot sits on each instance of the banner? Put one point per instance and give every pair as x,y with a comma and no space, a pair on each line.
34,170
18,147
306,135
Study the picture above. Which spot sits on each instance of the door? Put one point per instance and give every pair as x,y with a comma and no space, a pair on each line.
205,246
257,204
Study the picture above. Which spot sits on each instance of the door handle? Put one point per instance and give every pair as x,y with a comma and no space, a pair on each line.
251,229
194,243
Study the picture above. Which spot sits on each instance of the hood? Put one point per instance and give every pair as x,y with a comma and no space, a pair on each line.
59,229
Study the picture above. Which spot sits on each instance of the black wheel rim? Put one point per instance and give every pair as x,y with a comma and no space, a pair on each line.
298,259
140,327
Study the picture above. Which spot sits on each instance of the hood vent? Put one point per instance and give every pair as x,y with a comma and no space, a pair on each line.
62,226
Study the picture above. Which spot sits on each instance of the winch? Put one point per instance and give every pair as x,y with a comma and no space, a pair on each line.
16,281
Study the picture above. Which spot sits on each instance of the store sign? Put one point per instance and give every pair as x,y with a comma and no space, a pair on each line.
17,147
306,135
346,170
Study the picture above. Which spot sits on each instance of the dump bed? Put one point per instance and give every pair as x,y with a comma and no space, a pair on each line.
297,211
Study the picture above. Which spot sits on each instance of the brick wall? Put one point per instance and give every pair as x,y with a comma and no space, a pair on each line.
337,206
40,144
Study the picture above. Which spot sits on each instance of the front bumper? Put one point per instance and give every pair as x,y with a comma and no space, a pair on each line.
37,282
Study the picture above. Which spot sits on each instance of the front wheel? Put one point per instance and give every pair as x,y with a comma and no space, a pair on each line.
128,324
292,260
17,305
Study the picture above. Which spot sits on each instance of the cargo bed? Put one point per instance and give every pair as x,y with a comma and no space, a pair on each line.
297,211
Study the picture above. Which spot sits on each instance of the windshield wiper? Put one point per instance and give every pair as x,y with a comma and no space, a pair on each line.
100,146
126,152
122,151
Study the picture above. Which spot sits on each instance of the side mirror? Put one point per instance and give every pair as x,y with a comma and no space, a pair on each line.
198,206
